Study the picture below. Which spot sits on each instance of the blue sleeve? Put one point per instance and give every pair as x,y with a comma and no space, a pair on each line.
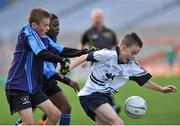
56,46
49,70
33,40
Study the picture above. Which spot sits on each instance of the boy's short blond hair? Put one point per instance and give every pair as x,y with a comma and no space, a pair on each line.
131,39
37,15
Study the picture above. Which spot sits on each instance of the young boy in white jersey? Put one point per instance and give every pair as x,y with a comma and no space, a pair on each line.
110,71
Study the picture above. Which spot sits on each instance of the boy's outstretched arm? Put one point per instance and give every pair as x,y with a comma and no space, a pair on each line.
71,52
78,61
49,73
66,81
166,89
49,56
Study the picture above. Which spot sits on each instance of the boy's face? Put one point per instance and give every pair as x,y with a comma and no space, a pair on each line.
127,53
42,27
54,28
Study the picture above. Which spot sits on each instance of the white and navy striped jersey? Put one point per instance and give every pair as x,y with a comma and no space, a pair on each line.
107,74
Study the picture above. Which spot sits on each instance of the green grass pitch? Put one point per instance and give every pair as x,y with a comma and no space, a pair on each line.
162,108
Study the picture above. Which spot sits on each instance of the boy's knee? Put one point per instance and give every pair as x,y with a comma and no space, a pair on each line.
117,121
66,109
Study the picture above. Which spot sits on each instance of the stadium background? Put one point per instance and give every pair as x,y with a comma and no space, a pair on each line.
157,22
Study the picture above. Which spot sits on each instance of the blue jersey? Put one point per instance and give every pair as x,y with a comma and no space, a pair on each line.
26,68
50,68
51,45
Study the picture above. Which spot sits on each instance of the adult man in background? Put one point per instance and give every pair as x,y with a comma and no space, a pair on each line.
99,37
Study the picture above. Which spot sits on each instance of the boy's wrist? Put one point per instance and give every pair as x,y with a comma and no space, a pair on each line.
161,89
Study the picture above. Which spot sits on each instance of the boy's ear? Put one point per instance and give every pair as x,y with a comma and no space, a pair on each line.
34,25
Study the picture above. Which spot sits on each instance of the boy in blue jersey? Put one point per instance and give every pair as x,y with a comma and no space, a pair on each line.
25,75
110,71
51,89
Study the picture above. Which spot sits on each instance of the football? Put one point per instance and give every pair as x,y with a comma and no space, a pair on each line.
135,107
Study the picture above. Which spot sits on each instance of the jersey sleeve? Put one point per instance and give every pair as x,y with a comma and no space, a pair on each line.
48,69
139,75
99,56
33,40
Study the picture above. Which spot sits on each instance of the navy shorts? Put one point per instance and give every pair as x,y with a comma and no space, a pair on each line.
50,87
19,100
52,90
93,101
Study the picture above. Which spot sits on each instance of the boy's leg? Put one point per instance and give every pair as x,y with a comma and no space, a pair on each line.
27,116
20,101
100,121
61,102
57,97
19,121
51,111
106,112
40,100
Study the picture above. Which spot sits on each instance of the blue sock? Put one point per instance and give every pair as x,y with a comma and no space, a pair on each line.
65,119
18,122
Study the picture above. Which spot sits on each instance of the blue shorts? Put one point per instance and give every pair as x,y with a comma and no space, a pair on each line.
93,101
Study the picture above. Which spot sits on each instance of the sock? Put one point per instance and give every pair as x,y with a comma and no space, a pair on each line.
65,119
18,122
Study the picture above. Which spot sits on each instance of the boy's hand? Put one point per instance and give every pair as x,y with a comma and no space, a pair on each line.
75,86
64,67
169,88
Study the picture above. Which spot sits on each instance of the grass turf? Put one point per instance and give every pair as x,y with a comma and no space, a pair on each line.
162,108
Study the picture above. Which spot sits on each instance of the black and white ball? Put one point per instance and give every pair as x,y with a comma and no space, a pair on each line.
135,107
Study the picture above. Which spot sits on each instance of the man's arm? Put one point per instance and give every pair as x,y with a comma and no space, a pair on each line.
154,86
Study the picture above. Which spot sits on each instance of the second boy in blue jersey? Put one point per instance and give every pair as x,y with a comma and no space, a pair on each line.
52,90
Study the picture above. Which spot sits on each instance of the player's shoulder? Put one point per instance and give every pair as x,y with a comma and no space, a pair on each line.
134,63
107,52
27,29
